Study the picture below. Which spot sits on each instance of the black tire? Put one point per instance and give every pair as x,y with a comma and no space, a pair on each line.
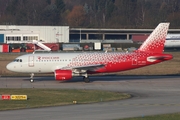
86,79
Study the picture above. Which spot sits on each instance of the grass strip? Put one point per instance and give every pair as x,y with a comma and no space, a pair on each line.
56,97
174,116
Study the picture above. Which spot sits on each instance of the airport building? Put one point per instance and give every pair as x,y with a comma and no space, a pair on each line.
15,38
64,34
25,34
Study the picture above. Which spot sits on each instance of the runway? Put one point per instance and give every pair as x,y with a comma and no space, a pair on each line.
151,95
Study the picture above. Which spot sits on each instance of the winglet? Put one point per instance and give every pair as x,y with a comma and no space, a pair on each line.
155,42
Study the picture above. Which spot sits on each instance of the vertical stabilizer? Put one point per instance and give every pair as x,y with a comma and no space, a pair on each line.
155,42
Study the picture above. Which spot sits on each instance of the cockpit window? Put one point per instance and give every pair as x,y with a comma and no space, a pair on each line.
18,60
15,60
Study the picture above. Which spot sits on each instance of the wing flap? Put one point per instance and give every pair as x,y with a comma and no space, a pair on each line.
89,67
82,69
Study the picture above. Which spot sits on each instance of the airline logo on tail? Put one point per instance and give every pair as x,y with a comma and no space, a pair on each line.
155,42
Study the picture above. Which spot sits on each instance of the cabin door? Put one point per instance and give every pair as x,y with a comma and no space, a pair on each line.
31,61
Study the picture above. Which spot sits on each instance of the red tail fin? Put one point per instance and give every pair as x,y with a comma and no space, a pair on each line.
155,42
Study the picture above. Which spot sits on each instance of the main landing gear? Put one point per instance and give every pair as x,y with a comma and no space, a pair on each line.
86,79
32,75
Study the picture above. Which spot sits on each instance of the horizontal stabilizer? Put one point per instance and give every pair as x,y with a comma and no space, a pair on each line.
162,58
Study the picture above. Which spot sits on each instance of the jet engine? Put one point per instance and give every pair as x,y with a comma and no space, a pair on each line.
63,74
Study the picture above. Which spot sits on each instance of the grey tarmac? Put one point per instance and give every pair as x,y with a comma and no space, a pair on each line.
152,95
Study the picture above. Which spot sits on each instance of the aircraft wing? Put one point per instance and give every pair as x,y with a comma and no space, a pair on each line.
90,67
82,69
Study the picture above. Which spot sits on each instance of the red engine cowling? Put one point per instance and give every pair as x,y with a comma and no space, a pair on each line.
63,74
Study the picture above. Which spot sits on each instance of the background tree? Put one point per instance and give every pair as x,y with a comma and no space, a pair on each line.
60,10
92,13
76,17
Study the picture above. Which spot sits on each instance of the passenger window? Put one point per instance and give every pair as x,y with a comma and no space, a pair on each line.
20,60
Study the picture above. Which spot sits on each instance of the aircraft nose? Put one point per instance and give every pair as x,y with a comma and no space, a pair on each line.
9,66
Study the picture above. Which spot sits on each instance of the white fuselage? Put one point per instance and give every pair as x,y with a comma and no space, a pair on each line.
40,63
110,62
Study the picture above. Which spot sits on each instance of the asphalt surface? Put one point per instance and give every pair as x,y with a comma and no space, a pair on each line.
152,95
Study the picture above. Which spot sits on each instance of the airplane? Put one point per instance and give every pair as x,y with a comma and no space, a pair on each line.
172,41
65,66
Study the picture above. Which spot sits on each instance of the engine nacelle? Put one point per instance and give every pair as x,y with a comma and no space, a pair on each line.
63,74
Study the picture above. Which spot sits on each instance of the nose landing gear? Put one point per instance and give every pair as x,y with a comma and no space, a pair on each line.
31,78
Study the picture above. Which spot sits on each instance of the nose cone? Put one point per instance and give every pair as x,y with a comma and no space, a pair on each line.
9,67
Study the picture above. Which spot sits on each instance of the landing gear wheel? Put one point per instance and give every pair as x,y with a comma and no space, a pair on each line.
31,80
32,75
86,79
